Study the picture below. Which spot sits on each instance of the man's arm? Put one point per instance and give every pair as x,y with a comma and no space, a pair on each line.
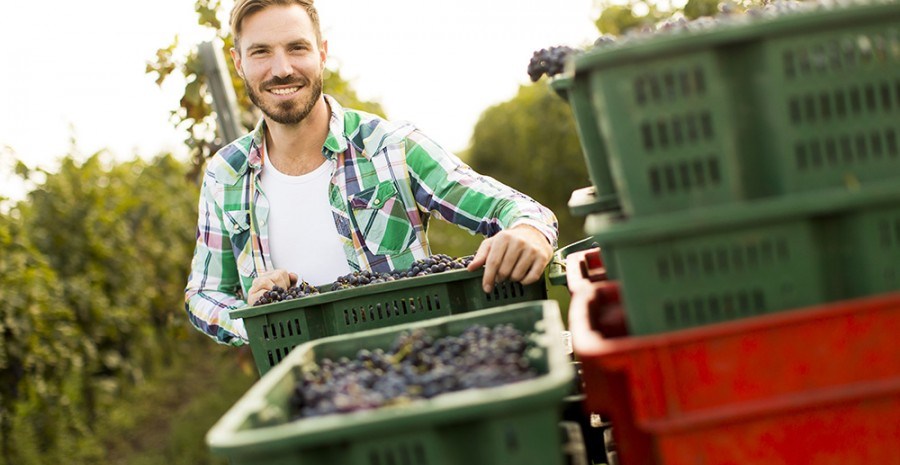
521,232
213,285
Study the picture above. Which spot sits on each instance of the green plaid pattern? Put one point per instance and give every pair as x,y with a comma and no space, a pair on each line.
389,180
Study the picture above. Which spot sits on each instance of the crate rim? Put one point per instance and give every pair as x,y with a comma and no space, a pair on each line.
607,228
250,311
747,29
224,436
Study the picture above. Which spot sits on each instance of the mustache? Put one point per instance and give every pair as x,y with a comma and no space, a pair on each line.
284,81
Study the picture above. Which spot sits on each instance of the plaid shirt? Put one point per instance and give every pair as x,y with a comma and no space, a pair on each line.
389,179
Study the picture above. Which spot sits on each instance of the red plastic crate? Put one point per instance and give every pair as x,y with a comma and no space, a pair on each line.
814,386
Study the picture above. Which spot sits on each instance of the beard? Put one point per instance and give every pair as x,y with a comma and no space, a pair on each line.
287,112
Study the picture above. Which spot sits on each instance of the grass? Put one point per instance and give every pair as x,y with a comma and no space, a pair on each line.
165,421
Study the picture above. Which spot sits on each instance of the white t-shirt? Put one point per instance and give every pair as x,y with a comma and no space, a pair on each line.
302,234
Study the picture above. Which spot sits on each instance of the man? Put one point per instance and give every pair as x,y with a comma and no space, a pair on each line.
317,191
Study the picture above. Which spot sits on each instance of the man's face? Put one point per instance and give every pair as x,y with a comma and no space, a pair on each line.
281,62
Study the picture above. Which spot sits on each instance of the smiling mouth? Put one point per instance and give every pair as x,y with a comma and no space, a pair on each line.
284,90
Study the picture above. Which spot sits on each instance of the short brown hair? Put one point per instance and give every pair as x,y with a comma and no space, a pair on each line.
244,8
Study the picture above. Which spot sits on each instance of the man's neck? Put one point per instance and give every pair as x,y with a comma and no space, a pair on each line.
297,149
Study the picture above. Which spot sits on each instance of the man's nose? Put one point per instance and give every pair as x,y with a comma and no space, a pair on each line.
281,65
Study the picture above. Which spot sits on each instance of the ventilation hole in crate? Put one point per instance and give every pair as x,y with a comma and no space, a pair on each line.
662,269
855,101
787,59
669,84
840,103
297,326
692,128
271,358
809,107
693,263
669,173
825,106
685,82
831,153
875,143
511,439
411,307
640,92
714,170
885,93
647,136
290,329
685,171
655,184
346,317
871,103
891,141
722,259
655,92
804,63
662,133
677,131
794,110
437,302
370,313
402,310
862,152
677,266
699,80
265,329
815,154
428,303
669,313
706,122
698,174
273,331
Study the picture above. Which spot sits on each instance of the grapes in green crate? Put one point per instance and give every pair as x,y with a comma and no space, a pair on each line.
416,366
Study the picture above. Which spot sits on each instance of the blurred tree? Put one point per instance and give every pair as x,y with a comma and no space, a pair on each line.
530,143
195,112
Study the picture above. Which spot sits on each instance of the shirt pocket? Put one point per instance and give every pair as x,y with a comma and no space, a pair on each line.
237,224
382,218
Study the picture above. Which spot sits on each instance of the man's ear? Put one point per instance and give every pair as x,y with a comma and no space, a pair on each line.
236,58
323,51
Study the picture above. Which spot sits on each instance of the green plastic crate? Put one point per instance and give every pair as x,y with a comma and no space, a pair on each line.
511,424
274,329
759,108
603,195
693,268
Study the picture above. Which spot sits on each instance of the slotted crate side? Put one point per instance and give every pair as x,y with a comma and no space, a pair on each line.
669,129
720,276
834,99
804,102
276,329
516,423
871,250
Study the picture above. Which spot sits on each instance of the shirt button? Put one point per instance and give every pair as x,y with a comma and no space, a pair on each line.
237,228
377,202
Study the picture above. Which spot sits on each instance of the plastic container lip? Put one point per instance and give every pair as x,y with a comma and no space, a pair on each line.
332,296
607,228
745,29
227,436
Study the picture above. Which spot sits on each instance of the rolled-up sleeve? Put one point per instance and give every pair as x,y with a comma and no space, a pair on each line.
445,186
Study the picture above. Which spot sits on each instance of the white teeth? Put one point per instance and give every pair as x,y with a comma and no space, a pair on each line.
289,90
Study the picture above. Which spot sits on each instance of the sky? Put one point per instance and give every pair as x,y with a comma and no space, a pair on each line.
75,71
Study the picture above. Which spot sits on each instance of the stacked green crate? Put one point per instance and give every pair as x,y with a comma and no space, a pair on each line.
756,161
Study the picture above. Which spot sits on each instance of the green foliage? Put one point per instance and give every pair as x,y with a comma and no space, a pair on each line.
92,280
195,113
530,143
618,19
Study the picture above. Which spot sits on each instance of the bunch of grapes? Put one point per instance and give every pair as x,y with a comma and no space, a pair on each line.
416,366
432,264
550,61
279,294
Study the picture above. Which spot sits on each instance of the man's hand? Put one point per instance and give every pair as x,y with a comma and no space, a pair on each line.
269,279
516,254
